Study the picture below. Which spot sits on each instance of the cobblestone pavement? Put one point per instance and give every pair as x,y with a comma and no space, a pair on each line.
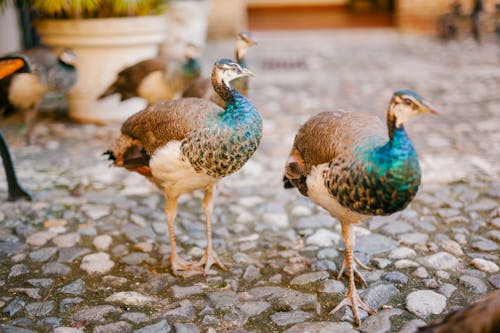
282,251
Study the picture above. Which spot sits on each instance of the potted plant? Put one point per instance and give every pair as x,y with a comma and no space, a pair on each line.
106,35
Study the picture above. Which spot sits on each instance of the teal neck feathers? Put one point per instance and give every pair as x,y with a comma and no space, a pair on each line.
191,68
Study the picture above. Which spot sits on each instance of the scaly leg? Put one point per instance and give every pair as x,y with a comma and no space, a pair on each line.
16,191
352,299
30,116
210,256
356,272
177,263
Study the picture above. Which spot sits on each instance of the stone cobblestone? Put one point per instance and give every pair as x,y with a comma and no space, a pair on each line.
89,254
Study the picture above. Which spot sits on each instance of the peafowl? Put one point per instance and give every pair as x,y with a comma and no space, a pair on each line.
190,144
51,72
8,66
202,87
346,163
157,79
482,316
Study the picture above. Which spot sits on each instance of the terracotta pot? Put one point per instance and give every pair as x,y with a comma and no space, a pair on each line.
104,47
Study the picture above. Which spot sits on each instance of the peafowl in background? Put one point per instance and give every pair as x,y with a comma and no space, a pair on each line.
355,167
52,72
157,79
202,87
190,144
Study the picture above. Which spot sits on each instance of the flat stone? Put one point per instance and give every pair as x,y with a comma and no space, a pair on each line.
76,287
474,284
485,245
397,227
447,289
402,253
315,222
333,287
97,263
41,283
95,212
40,238
14,306
374,244
131,298
253,308
145,247
135,317
291,317
405,263
485,265
441,261
494,235
40,309
421,272
425,302
134,258
251,273
102,242
380,322
118,327
67,240
68,303
184,292
380,294
186,328
65,329
412,326
482,205
18,269
160,327
69,254
30,292
309,278
321,327
222,299
43,254
413,238
11,248
291,299
495,280
55,268
181,311
279,220
95,314
323,238
13,329
395,277
114,281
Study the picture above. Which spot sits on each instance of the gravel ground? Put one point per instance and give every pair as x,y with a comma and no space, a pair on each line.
89,254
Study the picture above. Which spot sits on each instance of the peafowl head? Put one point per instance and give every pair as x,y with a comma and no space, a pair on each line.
406,104
226,70
244,41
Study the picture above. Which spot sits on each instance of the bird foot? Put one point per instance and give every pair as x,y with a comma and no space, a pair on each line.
357,274
210,258
179,264
354,301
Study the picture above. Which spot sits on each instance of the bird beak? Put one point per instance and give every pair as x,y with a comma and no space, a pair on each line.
246,72
428,107
10,66
252,42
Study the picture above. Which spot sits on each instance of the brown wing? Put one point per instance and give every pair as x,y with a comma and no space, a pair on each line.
130,78
480,317
324,137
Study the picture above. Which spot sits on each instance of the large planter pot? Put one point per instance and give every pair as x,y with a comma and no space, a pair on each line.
187,23
104,47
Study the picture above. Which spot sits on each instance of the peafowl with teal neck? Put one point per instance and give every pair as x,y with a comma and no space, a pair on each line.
190,144
355,167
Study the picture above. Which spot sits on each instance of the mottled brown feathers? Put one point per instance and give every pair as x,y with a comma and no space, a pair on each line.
129,79
480,317
165,121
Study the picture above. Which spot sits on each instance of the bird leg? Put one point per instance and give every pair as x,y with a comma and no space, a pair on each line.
16,191
356,272
210,257
177,263
352,299
30,116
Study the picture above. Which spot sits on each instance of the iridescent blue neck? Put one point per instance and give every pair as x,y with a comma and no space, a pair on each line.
191,67
238,107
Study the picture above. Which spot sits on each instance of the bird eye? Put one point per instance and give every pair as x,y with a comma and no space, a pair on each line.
407,101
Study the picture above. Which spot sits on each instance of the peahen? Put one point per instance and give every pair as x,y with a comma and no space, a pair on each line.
354,167
190,144
202,87
157,79
52,72
8,66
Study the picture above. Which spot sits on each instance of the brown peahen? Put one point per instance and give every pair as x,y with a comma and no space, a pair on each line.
190,144
52,71
354,167
202,87
157,79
